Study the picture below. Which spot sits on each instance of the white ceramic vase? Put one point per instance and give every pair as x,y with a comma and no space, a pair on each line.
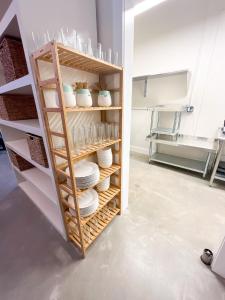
104,98
69,96
84,98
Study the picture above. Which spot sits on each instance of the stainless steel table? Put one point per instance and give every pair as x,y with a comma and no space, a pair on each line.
215,175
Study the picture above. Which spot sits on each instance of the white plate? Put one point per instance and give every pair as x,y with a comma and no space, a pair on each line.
84,169
86,199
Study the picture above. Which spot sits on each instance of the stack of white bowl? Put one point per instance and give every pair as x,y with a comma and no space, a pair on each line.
104,185
105,158
87,201
86,173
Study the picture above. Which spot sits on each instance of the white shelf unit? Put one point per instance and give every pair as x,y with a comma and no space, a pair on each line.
18,86
41,181
21,148
31,126
39,184
48,208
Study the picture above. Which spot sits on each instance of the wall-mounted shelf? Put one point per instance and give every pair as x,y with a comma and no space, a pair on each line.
82,231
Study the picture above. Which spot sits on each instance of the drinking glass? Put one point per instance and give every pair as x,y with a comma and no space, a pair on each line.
109,55
115,131
79,43
99,51
116,58
101,133
89,48
108,130
94,133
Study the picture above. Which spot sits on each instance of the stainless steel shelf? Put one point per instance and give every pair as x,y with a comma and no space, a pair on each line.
184,163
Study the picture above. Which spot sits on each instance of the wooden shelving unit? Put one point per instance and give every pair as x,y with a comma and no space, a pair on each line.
81,231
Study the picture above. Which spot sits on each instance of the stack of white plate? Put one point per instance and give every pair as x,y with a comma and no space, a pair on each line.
105,158
104,185
86,173
87,201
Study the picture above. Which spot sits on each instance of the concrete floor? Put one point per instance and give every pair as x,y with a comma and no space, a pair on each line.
151,252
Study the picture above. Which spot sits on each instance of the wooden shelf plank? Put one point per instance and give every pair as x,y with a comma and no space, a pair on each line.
21,148
41,181
31,125
71,58
46,206
99,108
104,199
94,227
89,150
18,84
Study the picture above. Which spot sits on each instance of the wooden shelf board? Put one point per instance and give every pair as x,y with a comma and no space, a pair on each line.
21,148
84,153
94,227
41,181
104,199
100,108
31,125
71,58
18,86
46,206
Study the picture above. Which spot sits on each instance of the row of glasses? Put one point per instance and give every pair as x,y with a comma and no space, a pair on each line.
93,134
69,37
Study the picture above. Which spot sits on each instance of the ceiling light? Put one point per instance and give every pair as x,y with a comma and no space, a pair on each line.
145,5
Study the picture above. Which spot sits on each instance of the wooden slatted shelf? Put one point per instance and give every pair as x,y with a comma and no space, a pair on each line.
69,57
83,153
104,173
94,226
104,199
97,108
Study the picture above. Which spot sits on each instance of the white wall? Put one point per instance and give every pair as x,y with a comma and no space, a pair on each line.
115,30
187,34
40,16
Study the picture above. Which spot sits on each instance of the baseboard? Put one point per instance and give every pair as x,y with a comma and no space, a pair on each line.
140,150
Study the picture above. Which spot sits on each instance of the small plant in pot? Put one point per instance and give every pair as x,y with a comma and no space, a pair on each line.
83,94
104,96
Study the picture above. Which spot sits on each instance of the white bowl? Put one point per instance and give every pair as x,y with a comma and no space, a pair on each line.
104,185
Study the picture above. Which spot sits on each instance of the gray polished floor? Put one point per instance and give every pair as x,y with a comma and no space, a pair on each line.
151,252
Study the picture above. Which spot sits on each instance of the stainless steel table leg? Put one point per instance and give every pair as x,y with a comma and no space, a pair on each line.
207,164
217,162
